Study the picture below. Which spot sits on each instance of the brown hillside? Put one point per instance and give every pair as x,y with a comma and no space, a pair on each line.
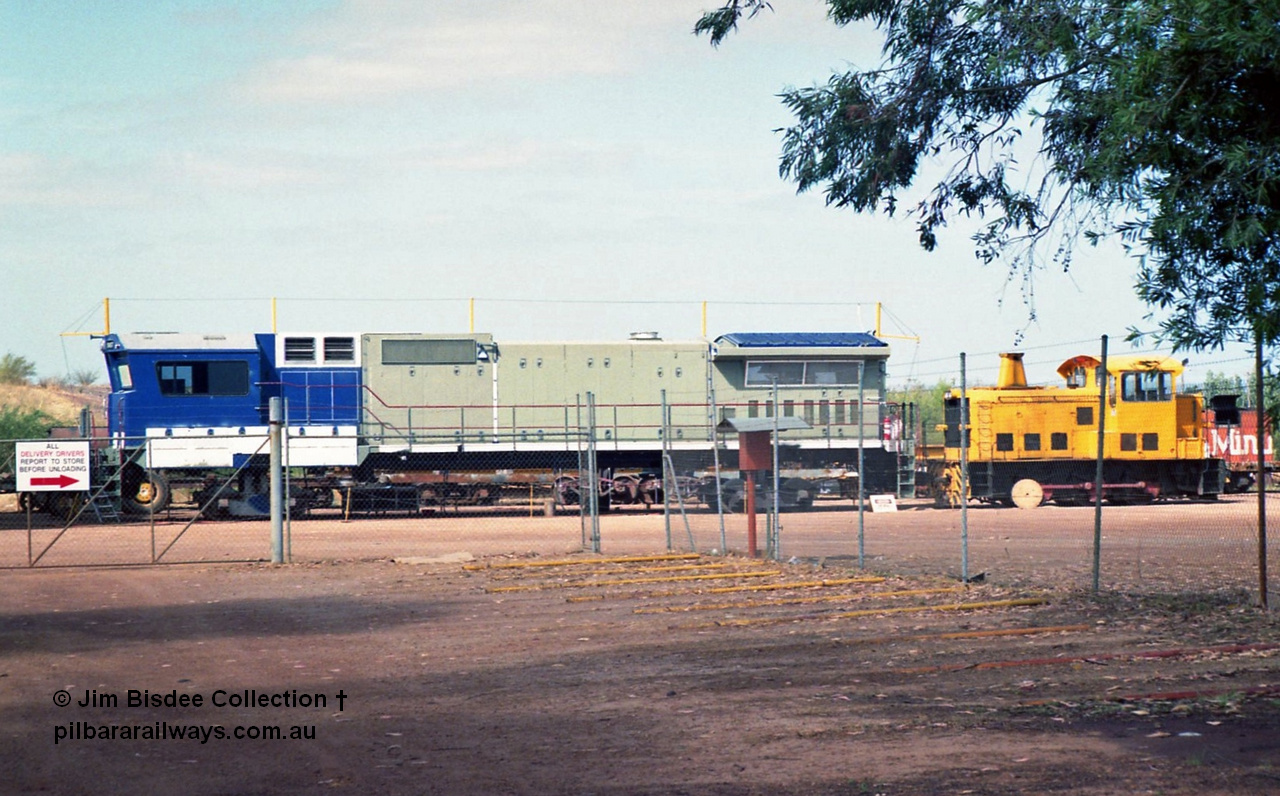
60,403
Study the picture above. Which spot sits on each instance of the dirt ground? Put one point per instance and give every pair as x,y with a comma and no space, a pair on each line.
553,674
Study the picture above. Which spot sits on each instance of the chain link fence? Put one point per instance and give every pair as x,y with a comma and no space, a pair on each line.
689,496
538,503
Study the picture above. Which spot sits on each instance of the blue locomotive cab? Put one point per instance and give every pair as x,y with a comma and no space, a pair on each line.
193,402
168,381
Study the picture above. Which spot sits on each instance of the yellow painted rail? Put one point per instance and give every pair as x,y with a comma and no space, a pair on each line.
978,606
819,598
588,584
580,562
802,584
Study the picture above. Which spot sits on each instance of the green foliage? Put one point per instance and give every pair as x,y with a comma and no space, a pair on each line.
84,378
17,424
21,424
1270,396
1221,384
1158,122
928,402
16,369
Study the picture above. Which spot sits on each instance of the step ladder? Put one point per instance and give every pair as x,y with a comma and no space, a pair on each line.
907,468
906,451
104,508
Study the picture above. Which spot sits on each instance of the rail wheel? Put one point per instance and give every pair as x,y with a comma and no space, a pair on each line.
798,494
1238,482
1027,494
142,491
733,504
732,496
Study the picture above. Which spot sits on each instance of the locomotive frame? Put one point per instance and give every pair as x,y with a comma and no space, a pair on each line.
464,414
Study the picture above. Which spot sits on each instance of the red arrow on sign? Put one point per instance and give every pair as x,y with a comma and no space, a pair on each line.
61,482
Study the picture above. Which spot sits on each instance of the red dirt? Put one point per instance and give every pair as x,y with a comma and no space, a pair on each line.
522,680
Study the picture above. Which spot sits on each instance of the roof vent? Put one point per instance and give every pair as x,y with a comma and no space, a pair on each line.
645,336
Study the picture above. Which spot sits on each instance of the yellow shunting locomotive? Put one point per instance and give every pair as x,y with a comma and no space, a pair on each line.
1032,444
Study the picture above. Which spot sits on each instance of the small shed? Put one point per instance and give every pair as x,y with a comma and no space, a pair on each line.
755,453
754,450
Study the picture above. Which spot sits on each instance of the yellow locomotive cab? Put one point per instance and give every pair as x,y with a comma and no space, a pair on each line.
1153,436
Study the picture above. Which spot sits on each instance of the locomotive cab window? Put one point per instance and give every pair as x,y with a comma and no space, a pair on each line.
830,373
763,374
429,352
1146,386
122,375
203,378
819,373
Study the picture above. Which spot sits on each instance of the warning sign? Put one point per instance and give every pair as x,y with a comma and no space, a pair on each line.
60,466
881,503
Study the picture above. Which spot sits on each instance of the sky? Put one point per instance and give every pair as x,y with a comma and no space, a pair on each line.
537,169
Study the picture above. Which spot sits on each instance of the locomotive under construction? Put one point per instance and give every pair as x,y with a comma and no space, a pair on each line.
431,417
1033,444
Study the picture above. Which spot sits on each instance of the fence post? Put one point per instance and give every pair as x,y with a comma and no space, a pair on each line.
668,477
1260,407
1099,474
593,475
579,438
151,504
277,496
288,487
715,459
862,529
964,474
777,496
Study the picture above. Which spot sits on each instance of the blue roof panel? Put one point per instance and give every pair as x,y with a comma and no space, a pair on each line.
803,340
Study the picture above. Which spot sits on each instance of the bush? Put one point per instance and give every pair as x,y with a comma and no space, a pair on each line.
17,423
16,370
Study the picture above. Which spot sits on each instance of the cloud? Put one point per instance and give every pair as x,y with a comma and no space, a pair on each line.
367,51
246,171
32,180
490,156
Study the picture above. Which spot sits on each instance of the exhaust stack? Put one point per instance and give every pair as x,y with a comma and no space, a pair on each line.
1012,374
